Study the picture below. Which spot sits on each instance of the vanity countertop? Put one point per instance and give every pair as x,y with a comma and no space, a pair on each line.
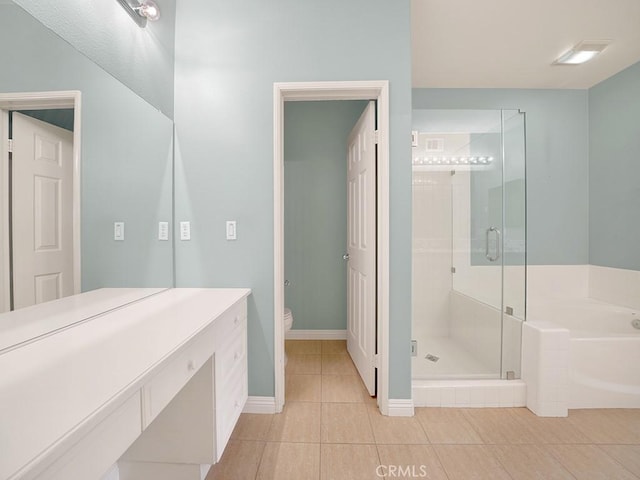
70,380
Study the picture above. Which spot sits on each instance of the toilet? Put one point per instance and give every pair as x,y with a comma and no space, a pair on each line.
288,323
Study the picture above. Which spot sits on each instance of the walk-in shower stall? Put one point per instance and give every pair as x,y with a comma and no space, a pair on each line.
469,244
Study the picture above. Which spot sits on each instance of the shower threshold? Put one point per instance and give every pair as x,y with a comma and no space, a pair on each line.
466,393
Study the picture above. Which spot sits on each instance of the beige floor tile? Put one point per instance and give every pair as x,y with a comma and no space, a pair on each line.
299,422
606,425
588,462
529,462
334,346
550,430
252,427
302,388
342,389
499,426
627,455
395,430
303,347
239,462
630,417
411,461
345,423
348,462
290,461
298,364
338,364
470,462
447,426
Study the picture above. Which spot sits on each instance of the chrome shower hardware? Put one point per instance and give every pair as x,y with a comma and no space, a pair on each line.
496,256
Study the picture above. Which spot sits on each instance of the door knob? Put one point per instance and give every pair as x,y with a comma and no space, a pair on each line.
345,256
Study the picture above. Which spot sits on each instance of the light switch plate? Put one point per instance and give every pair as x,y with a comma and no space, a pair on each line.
185,230
231,230
163,231
118,231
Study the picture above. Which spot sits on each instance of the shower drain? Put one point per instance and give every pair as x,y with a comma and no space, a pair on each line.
431,358
635,323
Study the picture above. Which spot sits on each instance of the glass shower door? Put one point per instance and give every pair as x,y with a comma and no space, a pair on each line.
477,253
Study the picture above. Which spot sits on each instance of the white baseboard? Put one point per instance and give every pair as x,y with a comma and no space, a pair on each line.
401,407
316,335
266,405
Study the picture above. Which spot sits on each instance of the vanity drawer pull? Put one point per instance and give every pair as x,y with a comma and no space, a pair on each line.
174,375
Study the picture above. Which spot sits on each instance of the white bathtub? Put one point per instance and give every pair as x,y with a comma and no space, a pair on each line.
604,351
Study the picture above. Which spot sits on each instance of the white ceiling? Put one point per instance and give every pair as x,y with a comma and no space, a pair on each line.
512,43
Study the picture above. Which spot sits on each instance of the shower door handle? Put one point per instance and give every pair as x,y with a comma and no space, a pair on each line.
492,258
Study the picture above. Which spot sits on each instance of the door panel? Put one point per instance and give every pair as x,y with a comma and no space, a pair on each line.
41,218
361,247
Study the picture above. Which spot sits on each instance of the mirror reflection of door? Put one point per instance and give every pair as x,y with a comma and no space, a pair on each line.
40,210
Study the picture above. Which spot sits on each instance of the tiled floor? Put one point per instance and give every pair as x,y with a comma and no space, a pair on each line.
331,430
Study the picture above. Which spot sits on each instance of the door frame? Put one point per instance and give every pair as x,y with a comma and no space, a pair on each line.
319,91
37,101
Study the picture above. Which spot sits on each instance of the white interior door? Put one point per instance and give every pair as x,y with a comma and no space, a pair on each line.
361,247
41,211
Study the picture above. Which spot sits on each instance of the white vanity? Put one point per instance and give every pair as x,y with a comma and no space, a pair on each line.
155,385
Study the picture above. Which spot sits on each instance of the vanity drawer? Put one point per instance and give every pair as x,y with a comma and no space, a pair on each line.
232,352
92,456
157,393
230,400
231,321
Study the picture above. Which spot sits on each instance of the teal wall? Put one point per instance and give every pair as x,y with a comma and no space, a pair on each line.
557,142
141,58
228,55
126,170
614,187
315,211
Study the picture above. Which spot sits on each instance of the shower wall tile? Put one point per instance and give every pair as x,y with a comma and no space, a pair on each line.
615,285
431,272
557,281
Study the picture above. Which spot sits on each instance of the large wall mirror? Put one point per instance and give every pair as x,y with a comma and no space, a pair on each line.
110,212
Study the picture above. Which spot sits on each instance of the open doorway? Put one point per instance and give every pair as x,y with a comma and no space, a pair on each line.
372,91
39,197
321,180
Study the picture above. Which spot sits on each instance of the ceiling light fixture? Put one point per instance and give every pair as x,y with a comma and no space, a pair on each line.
141,11
582,52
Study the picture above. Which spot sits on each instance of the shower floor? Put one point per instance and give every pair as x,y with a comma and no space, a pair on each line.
455,362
